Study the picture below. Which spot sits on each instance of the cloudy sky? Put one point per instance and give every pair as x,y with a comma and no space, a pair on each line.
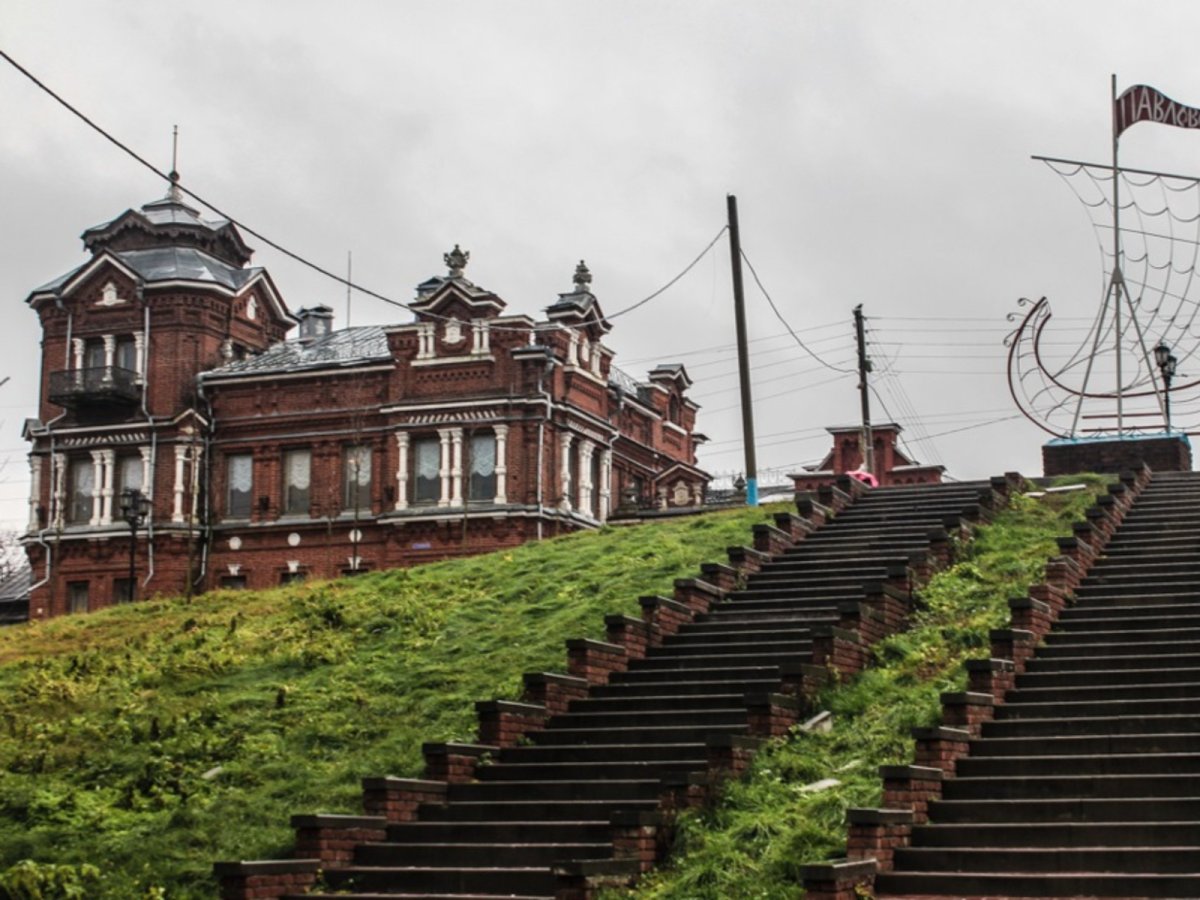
880,153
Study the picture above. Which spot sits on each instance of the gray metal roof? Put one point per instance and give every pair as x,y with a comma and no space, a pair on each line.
173,212
345,347
169,264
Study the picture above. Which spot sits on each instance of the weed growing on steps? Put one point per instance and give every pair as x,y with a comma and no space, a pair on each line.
790,809
150,740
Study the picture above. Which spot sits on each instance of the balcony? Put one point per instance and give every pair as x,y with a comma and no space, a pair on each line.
100,386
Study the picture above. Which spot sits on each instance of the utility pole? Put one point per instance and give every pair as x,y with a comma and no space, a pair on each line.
739,312
864,366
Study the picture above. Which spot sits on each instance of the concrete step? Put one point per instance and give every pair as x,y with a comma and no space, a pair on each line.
711,673
660,702
634,770
532,810
534,881
1117,648
1107,677
681,734
1040,664
498,832
1111,725
1065,787
500,791
1069,709
1054,834
1165,691
681,688
1002,885
1099,764
1085,745
1182,808
1173,859
478,855
601,753
654,718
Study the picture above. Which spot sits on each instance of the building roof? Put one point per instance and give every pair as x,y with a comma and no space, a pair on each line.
160,264
339,349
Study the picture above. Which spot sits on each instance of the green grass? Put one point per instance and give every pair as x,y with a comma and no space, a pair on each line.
153,739
767,825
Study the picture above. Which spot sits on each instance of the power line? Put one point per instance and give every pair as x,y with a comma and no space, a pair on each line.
316,267
786,325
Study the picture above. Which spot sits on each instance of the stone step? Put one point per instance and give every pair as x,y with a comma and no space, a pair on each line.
1063,787
682,734
534,881
681,688
1070,709
659,702
599,753
795,590
478,855
740,609
1144,633
712,673
1003,885
1146,592
795,641
1172,859
1090,691
490,833
1106,678
703,661
499,791
752,627
1112,725
1117,648
1182,808
1054,834
1085,745
1100,764
532,810
636,770
1040,664
1086,616
654,718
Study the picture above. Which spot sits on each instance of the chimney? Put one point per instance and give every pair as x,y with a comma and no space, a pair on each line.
316,322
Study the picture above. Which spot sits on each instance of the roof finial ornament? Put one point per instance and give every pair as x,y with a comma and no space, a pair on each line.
583,278
456,261
173,192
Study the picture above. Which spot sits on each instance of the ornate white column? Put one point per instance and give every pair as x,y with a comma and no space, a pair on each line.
456,467
97,480
564,456
444,466
110,350
586,449
196,458
139,355
147,472
35,490
572,348
108,460
180,459
402,470
58,475
605,483
501,463
77,349
596,359
481,337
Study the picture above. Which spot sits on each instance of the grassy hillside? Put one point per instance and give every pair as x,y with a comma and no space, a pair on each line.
790,810
152,739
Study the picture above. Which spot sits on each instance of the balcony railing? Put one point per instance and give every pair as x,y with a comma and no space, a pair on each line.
99,385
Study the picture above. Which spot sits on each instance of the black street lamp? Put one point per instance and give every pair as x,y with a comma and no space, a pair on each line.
1166,366
135,507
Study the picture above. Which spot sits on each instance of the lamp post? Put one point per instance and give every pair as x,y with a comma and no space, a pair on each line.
1166,367
135,507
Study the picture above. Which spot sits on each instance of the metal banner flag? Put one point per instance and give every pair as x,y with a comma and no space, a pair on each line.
1142,103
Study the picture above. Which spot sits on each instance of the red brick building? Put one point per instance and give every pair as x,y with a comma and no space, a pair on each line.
892,466
165,370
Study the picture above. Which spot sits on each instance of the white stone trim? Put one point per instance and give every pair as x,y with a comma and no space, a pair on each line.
501,432
402,470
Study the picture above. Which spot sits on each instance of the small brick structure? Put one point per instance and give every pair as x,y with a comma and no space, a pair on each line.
1162,453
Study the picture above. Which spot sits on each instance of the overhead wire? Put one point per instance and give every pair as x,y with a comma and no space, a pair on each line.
297,257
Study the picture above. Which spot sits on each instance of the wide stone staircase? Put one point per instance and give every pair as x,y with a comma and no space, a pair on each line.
1086,783
607,761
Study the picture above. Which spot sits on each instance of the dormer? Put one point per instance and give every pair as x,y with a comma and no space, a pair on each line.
579,309
453,296
315,323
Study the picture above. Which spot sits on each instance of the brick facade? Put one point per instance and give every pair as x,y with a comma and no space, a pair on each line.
892,466
165,369
1162,453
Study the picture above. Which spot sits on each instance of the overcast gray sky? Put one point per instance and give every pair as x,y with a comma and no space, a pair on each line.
879,152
